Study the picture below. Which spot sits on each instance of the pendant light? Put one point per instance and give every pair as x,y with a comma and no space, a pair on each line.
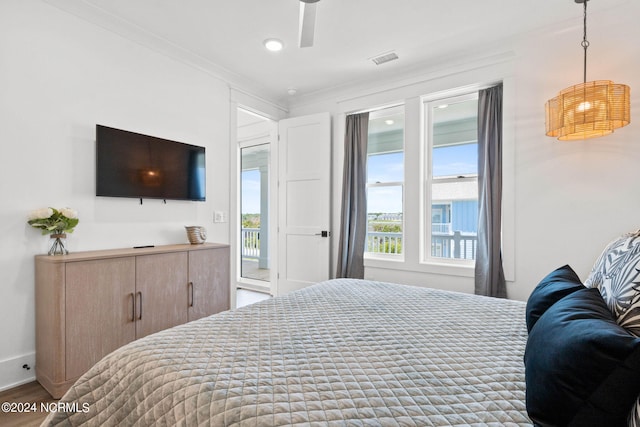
589,109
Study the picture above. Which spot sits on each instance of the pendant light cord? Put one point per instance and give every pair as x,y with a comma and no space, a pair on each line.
585,42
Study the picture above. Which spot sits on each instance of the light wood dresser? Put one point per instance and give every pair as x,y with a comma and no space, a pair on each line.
90,303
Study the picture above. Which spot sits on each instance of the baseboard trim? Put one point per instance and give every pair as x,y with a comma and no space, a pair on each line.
12,373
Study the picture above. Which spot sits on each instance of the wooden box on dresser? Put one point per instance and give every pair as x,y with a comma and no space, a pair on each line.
90,303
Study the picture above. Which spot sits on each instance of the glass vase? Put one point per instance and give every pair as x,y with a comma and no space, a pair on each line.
58,244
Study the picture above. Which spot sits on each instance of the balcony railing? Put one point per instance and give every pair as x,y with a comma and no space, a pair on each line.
442,228
384,243
446,244
455,245
250,243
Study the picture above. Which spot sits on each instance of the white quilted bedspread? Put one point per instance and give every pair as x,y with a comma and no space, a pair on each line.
343,352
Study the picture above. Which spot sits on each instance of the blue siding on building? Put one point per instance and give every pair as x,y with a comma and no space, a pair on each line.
464,216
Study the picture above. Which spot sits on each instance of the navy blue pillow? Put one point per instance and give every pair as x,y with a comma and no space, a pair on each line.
581,367
557,285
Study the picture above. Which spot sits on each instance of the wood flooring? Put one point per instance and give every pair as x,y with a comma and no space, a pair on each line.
23,400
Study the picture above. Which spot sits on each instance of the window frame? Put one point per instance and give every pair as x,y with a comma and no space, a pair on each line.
381,255
427,107
412,269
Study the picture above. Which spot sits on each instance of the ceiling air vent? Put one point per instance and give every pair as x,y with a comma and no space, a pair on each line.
385,57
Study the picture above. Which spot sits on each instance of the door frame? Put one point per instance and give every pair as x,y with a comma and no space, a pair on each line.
266,137
273,113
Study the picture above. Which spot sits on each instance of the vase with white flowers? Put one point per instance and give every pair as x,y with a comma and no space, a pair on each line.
57,223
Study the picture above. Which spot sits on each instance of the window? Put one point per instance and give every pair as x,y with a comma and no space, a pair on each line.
452,178
385,179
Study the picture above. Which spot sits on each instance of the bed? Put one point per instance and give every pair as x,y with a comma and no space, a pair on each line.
341,352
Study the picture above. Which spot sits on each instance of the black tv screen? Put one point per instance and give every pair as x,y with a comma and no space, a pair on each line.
130,164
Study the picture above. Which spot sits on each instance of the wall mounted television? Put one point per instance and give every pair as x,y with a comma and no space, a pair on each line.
140,166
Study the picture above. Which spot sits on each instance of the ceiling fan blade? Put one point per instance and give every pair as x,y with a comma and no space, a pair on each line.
307,24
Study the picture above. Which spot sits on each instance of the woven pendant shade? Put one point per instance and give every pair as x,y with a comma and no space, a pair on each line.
588,110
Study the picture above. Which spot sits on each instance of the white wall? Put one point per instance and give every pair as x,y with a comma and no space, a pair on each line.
59,77
564,201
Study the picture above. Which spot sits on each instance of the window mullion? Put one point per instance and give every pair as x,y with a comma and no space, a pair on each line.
385,184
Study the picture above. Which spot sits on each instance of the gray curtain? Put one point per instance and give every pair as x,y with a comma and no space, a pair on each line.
489,272
353,227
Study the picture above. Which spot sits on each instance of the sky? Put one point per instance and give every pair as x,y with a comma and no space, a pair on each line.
251,191
448,161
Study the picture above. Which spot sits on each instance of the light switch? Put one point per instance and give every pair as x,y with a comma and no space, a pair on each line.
219,216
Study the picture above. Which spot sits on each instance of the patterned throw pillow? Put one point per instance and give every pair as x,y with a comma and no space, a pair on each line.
634,418
616,274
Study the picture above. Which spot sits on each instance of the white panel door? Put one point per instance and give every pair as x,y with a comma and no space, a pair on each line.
304,170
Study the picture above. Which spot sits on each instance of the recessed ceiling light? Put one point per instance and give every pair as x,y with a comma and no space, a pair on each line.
389,122
442,106
274,45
